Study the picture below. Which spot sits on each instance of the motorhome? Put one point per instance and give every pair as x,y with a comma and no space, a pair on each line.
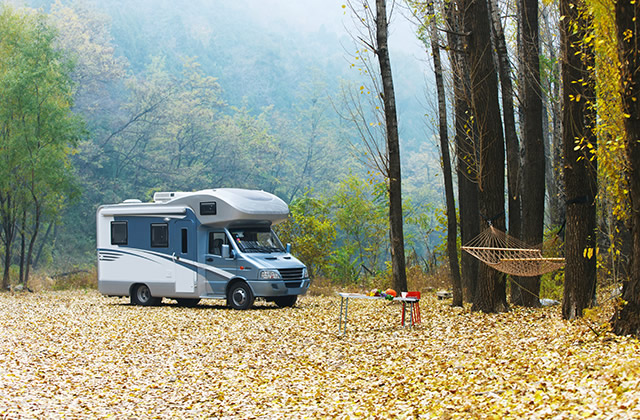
188,246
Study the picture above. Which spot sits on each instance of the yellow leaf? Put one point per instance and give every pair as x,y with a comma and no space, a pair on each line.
587,253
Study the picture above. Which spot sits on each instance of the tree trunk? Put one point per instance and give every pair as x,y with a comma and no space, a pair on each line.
580,171
23,240
511,140
465,154
393,150
627,317
452,225
533,170
34,235
8,220
36,260
490,295
553,134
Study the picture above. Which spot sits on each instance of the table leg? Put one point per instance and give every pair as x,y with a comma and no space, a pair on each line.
340,319
346,312
404,307
344,304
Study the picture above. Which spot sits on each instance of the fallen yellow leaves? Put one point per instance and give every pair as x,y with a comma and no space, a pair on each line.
78,354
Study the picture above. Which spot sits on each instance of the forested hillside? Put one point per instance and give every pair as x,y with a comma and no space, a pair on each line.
193,95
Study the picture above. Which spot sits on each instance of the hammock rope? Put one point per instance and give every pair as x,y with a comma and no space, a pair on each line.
510,255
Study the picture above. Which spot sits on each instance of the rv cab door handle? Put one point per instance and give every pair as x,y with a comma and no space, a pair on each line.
209,259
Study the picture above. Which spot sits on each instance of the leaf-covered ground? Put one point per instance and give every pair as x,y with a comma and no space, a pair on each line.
78,355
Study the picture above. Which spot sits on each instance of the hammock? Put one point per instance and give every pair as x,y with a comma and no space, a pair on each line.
510,255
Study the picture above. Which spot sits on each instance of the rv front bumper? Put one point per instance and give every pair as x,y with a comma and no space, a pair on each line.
270,288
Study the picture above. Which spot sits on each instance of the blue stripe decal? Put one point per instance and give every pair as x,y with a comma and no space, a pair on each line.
188,264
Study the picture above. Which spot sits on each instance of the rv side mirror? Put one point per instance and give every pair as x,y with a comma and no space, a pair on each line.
288,248
225,251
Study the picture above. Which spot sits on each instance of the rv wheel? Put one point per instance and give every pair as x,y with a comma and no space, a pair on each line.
285,301
141,295
240,296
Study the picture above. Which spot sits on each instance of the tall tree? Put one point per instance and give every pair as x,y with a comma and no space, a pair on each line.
490,293
533,168
627,15
374,36
579,171
511,138
465,134
393,149
552,112
443,131
37,128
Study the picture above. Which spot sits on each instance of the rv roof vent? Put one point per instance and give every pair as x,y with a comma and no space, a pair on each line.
162,197
132,201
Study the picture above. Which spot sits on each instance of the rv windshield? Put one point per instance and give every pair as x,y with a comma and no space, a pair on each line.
256,239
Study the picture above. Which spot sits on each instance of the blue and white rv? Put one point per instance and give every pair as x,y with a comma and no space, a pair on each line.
193,245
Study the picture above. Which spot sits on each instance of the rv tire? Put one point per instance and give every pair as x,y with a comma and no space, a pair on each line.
240,296
285,301
141,295
187,302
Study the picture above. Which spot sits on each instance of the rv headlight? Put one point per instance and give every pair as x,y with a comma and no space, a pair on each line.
305,273
269,274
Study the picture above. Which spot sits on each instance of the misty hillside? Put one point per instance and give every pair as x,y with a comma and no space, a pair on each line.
189,95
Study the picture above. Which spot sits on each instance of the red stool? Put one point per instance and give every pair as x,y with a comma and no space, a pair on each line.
415,308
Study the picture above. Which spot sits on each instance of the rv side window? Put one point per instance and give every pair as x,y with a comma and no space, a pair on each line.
119,233
208,208
159,235
185,246
216,240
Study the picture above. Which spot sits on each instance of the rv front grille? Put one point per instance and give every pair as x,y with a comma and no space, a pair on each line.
289,274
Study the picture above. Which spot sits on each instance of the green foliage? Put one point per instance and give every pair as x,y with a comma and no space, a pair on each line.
84,37
335,236
360,212
311,233
343,265
424,235
344,236
308,138
440,226
552,285
37,128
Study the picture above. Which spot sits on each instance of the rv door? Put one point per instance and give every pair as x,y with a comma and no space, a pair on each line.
215,258
182,242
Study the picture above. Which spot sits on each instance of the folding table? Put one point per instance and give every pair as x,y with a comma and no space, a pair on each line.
414,308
